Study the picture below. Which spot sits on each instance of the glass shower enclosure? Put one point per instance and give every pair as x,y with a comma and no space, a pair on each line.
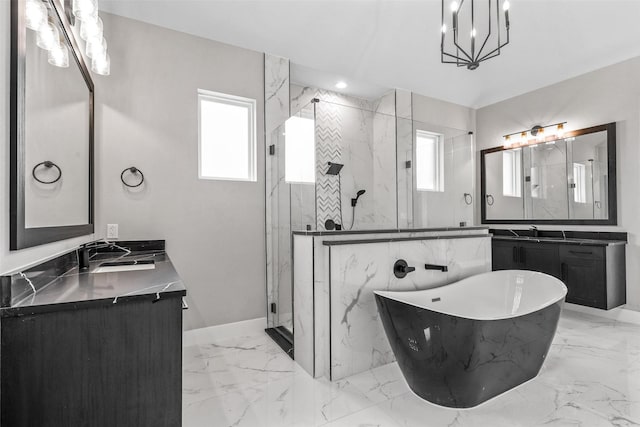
404,174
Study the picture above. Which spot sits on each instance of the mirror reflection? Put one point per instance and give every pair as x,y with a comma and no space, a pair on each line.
56,132
564,179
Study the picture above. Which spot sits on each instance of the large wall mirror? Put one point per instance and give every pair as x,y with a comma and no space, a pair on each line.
571,180
51,128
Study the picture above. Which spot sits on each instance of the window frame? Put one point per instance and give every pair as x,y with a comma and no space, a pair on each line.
439,160
515,178
238,101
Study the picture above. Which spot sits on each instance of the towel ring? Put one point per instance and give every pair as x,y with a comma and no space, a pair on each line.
134,170
490,200
47,164
468,198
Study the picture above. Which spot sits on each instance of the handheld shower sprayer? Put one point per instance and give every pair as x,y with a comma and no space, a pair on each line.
354,202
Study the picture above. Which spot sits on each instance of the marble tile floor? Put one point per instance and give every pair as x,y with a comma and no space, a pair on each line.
591,378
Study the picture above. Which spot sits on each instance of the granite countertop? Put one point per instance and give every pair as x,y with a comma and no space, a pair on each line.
60,282
567,241
385,231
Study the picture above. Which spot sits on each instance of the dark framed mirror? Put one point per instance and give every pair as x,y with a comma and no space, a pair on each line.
52,128
559,180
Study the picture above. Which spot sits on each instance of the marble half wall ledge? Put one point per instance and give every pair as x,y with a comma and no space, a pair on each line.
401,239
336,325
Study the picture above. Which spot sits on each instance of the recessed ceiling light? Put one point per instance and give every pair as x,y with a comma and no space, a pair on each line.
341,85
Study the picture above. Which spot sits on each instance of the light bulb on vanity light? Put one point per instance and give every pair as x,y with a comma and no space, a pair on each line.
560,130
85,9
96,47
59,56
91,29
36,14
101,65
48,36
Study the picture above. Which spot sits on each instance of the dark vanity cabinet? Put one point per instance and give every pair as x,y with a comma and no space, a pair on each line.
594,274
95,364
516,255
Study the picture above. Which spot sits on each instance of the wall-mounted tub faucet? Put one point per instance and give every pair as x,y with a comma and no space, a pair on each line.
442,268
401,269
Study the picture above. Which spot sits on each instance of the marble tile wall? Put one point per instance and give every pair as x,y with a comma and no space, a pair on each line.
361,135
463,259
358,341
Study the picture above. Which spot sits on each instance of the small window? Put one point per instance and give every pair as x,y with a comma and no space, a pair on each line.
300,156
512,173
227,137
429,161
580,181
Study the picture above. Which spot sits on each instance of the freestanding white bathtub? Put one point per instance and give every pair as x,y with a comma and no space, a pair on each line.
461,344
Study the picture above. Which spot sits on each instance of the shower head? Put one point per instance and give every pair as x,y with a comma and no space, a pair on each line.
354,201
334,168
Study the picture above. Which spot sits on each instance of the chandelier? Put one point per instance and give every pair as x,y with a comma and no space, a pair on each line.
477,32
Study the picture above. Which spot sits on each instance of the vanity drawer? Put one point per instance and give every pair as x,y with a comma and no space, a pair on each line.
582,251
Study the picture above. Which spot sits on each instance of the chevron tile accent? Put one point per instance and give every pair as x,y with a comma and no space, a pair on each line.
328,149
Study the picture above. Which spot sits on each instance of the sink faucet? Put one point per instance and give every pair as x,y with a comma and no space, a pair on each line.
564,236
514,233
535,230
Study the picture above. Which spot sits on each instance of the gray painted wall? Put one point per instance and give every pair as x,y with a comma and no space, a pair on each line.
611,94
146,115
12,260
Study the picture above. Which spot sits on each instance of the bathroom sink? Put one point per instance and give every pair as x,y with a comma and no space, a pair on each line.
131,265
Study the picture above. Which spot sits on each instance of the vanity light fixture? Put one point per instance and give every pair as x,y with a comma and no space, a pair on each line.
463,50
341,85
535,135
92,32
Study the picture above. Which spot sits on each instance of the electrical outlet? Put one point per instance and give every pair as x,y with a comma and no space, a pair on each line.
112,231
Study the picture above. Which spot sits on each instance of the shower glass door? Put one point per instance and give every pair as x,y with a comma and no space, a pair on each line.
292,199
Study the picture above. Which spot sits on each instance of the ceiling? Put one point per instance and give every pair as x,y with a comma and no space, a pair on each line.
396,43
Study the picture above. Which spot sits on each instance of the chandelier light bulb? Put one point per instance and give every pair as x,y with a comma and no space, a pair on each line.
36,14
454,6
506,5
444,28
473,32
